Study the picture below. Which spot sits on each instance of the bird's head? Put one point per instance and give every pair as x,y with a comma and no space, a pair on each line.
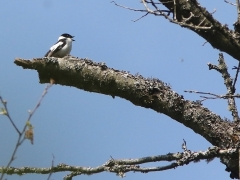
65,35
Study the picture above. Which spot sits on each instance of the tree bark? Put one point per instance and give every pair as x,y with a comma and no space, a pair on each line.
145,92
219,36
153,93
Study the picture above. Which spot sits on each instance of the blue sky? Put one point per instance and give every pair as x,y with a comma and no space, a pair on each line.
84,129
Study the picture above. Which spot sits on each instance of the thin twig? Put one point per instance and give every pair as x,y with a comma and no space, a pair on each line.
140,17
159,2
21,137
140,10
230,3
159,12
216,96
204,43
145,5
236,76
8,115
49,176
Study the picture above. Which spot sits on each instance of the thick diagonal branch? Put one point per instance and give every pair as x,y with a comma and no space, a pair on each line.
192,15
219,36
149,93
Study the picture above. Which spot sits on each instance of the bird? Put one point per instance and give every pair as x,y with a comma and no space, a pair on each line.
62,48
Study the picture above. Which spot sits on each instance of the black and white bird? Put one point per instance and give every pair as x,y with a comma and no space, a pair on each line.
62,48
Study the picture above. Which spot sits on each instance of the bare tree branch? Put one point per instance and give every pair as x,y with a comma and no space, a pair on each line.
50,174
27,132
236,77
192,15
215,96
222,68
149,93
120,167
6,112
159,12
229,2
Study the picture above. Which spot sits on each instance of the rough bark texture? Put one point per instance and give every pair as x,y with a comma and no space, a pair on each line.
149,93
219,36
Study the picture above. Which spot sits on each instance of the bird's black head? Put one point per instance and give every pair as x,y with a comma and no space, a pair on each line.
67,35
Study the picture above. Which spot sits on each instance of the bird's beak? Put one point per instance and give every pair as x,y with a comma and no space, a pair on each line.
73,37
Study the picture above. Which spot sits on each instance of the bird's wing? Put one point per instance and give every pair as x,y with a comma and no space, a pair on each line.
56,47
47,54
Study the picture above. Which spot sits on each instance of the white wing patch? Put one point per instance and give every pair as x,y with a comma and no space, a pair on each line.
55,46
61,48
